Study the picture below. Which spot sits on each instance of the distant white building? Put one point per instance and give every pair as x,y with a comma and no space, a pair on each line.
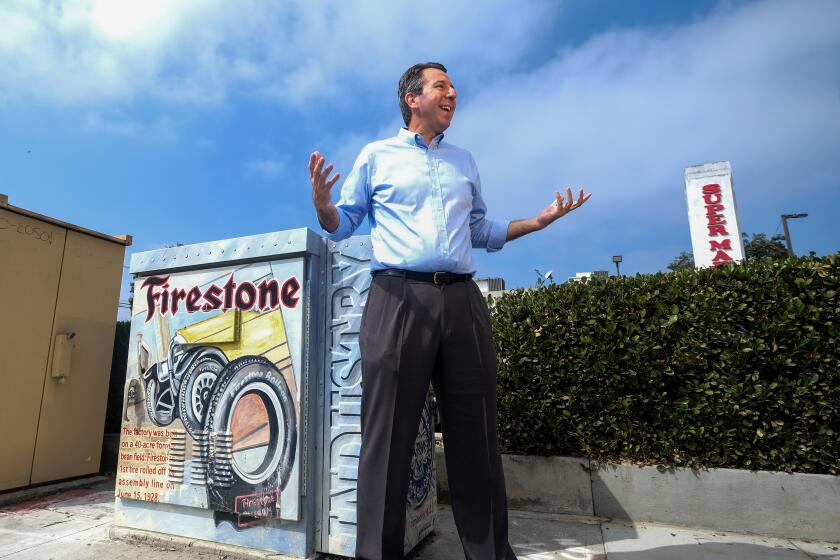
581,276
487,285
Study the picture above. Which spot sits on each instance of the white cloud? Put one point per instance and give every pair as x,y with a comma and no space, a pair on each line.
267,168
83,51
624,113
162,128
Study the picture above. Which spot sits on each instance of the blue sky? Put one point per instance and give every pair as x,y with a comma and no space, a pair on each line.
188,121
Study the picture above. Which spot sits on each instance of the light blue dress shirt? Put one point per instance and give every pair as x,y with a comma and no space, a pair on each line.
423,202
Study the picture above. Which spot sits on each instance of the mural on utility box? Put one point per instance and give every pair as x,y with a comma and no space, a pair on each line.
212,412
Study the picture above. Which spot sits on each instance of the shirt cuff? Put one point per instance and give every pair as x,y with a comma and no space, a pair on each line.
498,236
343,230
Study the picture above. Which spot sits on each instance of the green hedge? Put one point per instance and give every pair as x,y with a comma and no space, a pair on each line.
119,357
737,366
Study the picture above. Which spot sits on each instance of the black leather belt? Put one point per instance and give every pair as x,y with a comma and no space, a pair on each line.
437,278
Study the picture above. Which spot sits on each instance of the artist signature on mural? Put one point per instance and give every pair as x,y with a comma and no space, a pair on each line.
26,229
420,475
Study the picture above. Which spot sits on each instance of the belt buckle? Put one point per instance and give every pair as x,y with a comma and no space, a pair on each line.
436,275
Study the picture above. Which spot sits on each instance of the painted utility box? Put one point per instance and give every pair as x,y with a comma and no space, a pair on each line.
59,291
348,282
243,391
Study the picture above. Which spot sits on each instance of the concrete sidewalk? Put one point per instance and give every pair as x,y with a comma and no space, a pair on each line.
75,524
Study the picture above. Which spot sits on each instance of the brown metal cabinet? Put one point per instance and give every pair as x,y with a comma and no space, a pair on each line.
59,294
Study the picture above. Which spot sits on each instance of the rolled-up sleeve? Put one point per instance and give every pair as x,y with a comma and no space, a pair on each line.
484,233
354,202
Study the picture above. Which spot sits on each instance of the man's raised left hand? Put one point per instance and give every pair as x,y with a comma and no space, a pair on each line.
561,206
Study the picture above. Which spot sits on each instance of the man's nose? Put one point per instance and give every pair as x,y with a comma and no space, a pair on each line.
452,93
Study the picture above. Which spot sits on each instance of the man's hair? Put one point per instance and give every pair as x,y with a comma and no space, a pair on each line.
412,82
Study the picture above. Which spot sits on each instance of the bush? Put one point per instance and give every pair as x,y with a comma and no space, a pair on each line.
114,408
737,366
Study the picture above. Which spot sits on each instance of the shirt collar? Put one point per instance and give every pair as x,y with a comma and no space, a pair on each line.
417,140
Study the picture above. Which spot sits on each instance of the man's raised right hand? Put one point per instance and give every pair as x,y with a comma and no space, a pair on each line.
322,184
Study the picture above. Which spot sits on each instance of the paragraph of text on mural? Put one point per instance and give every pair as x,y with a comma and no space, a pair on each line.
143,462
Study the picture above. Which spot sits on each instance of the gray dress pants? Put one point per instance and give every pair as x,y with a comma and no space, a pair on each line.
413,332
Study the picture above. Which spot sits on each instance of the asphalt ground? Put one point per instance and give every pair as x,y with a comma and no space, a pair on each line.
77,523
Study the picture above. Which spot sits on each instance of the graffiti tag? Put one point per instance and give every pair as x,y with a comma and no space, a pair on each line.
28,230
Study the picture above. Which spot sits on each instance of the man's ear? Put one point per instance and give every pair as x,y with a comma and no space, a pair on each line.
411,99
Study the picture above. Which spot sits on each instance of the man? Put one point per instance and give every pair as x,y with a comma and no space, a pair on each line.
425,319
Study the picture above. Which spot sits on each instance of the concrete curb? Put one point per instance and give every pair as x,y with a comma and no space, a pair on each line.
533,484
790,505
795,506
27,494
175,542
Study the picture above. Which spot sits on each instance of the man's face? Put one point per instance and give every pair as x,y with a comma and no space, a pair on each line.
435,105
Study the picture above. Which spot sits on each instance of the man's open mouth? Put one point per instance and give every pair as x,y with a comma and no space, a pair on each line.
447,108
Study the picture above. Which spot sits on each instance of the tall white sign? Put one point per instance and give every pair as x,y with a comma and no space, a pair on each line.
712,215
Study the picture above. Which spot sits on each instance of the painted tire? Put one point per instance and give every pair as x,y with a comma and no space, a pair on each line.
133,393
247,385
160,403
196,386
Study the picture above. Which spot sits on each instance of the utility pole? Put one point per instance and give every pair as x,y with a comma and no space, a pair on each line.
785,218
